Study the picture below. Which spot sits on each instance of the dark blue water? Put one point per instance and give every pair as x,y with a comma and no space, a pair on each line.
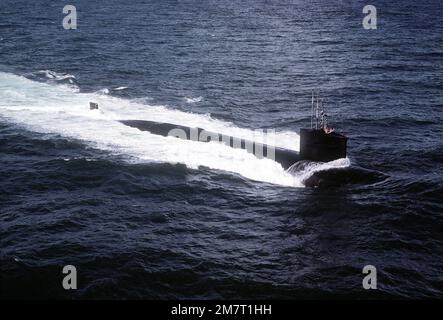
139,223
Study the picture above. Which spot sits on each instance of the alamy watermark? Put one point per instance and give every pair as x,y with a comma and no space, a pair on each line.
370,281
70,20
370,20
70,280
265,149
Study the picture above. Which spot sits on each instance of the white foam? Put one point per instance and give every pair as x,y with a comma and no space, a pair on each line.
55,75
314,167
50,76
103,91
61,110
193,100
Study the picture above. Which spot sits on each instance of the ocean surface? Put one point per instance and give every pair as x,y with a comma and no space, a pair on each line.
142,216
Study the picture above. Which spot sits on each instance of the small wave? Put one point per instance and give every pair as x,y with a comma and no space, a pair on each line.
193,100
106,91
304,169
333,174
80,158
50,76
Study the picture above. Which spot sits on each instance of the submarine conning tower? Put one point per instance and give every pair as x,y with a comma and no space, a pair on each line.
321,142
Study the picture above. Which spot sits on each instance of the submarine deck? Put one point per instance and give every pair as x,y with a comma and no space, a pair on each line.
284,157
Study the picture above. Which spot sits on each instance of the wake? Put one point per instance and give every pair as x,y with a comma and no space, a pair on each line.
61,109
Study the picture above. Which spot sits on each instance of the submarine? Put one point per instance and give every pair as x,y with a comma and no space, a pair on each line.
319,143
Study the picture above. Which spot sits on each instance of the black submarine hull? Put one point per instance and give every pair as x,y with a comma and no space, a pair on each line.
315,144
283,156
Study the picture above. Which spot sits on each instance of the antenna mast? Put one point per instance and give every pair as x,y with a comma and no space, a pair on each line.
316,113
325,116
312,108
322,113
